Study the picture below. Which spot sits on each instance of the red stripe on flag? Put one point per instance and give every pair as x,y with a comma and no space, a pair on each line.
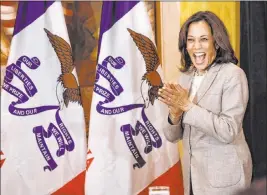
172,178
73,187
89,159
76,185
2,160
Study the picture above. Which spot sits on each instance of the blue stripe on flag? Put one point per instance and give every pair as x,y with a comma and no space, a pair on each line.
28,12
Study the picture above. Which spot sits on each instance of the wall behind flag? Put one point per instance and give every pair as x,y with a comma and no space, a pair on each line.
8,11
83,20
168,27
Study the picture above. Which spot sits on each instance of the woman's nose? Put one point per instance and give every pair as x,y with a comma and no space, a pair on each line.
197,45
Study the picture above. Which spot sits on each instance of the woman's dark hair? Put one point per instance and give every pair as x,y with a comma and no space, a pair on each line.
224,50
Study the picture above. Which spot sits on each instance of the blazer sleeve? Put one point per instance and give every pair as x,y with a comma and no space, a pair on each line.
173,133
226,125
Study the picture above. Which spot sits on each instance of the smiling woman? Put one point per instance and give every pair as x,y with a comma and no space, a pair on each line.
206,109
203,40
200,45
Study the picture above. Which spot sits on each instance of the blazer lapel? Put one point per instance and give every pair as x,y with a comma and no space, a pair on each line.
207,82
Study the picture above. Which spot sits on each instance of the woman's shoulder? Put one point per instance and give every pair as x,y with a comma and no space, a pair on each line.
231,68
231,71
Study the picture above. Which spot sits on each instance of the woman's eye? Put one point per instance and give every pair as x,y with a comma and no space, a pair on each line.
204,39
190,40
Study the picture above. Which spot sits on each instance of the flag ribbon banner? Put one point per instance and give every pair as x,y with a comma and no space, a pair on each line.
39,131
127,129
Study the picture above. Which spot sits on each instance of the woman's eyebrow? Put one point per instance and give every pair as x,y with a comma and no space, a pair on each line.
200,36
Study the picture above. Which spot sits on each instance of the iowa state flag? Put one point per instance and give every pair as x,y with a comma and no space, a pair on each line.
42,121
126,126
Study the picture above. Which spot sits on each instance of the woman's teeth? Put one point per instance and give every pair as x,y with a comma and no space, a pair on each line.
199,54
199,57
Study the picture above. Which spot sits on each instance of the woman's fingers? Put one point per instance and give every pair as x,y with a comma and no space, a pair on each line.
168,103
169,94
172,86
182,91
165,95
172,108
174,96
168,89
178,87
173,92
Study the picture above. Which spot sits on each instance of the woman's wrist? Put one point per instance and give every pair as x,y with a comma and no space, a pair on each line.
187,106
175,117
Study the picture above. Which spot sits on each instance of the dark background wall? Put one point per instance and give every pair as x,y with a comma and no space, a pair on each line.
253,52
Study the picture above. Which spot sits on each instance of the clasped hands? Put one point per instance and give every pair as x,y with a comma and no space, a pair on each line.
176,98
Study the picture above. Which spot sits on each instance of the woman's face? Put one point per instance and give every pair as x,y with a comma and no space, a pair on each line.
200,45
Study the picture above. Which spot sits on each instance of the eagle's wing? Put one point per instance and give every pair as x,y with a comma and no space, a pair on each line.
63,51
147,49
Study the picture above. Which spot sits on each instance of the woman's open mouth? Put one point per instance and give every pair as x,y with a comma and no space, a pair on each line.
199,57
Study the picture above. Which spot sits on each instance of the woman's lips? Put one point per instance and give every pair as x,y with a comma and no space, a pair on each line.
199,57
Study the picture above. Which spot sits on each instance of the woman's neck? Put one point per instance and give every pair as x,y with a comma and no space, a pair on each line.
200,72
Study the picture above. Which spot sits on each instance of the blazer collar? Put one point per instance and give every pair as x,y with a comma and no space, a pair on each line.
205,84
